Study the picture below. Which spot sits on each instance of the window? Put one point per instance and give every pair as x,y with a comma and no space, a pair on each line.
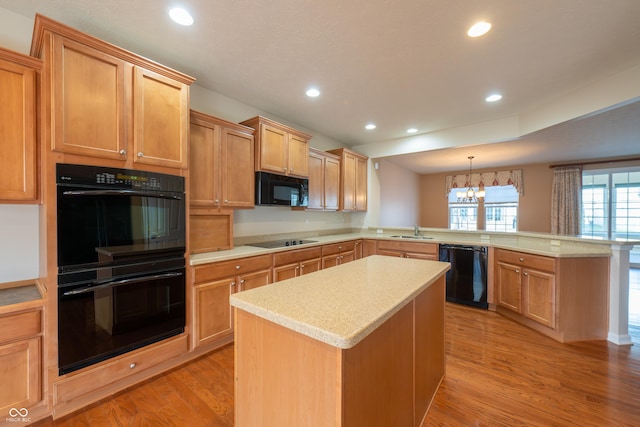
500,207
611,206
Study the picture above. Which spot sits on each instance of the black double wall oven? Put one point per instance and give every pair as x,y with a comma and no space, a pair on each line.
121,264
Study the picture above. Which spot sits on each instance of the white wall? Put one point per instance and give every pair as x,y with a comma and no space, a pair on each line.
399,188
19,250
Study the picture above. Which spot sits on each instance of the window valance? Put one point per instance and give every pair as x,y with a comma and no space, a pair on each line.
485,179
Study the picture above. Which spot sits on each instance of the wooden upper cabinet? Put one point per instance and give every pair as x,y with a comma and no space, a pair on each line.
88,101
353,180
279,149
324,180
18,124
221,163
103,101
160,119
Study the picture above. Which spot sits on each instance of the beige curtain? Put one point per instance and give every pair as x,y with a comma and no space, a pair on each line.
566,200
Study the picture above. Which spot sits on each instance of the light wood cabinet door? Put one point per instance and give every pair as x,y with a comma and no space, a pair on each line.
285,272
316,180
18,129
361,184
310,265
204,165
539,297
298,156
253,280
273,150
331,184
509,287
20,370
160,120
348,182
214,314
237,177
89,98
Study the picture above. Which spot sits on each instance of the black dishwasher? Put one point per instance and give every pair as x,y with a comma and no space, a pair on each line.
467,279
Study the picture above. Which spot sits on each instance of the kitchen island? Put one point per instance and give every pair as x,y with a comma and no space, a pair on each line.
358,344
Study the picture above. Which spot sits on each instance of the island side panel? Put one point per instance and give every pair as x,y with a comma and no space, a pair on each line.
378,375
283,378
429,346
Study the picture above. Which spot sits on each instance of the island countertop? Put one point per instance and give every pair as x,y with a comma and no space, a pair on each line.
340,306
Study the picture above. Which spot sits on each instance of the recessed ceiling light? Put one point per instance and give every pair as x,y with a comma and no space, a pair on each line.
313,92
412,130
370,126
478,29
180,16
493,98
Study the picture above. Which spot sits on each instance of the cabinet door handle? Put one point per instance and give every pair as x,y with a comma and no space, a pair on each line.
217,202
518,271
132,365
123,152
233,284
226,201
140,154
525,273
242,281
237,267
521,259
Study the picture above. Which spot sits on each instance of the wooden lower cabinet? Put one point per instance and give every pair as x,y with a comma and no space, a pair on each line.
564,298
297,262
402,249
213,284
20,360
339,253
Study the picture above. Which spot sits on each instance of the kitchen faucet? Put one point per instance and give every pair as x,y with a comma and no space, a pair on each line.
416,230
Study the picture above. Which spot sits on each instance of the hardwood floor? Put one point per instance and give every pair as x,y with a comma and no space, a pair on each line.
498,374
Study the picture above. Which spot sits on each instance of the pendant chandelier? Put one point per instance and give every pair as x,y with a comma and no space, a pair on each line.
470,195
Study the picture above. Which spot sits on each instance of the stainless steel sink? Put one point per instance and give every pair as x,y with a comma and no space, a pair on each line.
413,237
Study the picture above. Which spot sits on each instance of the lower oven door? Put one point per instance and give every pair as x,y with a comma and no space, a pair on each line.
103,319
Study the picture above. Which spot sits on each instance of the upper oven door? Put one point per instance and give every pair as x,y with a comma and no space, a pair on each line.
97,227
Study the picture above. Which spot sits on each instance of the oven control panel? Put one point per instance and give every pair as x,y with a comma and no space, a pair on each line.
101,177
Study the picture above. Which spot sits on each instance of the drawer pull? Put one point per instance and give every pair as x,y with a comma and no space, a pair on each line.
521,259
237,267
518,271
132,365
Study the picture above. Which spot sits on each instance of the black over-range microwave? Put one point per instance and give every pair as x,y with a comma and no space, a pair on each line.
280,190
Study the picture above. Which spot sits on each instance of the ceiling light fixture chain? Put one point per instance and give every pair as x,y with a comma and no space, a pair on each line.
471,195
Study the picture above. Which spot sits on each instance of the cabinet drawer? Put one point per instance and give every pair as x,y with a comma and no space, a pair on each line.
415,247
335,248
72,388
298,255
222,269
536,262
20,325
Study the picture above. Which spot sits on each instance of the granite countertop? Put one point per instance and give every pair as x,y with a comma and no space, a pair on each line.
539,244
340,306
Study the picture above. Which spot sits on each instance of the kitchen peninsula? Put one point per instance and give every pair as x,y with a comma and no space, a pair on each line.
357,344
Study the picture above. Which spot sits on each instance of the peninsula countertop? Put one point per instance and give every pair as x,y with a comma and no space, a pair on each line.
340,306
534,243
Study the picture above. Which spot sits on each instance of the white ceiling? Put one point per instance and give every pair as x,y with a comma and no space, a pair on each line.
399,64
